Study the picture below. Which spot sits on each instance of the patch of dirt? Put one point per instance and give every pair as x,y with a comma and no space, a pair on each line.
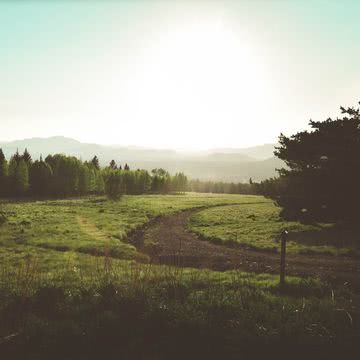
167,241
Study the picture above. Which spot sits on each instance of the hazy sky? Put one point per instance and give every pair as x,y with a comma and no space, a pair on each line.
179,74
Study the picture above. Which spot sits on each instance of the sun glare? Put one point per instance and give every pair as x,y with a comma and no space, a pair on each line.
200,73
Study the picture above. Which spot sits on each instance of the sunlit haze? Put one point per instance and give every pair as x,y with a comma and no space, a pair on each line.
175,74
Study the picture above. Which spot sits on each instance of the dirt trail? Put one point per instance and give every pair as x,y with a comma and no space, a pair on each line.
177,246
90,229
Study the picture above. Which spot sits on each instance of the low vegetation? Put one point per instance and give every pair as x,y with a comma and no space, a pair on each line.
71,286
259,226
92,225
88,307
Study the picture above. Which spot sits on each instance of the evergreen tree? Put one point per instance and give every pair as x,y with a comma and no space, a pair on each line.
95,162
3,165
2,156
126,167
27,157
17,156
323,173
21,178
113,164
40,178
3,174
12,166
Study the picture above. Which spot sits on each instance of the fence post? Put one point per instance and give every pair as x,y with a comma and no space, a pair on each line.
284,235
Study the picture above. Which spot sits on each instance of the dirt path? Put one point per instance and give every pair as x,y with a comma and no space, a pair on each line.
177,246
90,229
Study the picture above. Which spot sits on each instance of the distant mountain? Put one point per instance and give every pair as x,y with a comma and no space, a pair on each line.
235,165
260,152
228,157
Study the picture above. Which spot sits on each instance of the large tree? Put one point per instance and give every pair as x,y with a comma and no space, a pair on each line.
3,174
113,164
21,178
114,185
27,157
95,162
40,178
323,174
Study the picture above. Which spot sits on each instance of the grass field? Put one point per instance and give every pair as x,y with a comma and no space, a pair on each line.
259,225
90,225
70,284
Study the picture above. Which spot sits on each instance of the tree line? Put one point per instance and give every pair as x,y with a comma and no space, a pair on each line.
60,176
220,187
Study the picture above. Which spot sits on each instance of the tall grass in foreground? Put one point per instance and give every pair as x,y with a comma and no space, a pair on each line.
146,311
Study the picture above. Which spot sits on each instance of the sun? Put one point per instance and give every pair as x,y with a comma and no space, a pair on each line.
197,75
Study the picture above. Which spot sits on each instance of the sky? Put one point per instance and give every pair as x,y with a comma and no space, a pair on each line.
175,74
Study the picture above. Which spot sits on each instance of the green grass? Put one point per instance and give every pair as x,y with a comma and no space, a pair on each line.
92,225
55,295
258,226
95,306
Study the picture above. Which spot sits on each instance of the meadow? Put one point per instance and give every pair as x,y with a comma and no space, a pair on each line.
259,226
91,225
71,286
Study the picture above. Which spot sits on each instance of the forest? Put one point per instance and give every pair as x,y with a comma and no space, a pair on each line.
61,176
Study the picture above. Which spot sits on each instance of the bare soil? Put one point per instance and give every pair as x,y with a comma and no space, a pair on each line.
167,241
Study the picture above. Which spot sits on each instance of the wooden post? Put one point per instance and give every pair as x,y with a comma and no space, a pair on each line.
284,235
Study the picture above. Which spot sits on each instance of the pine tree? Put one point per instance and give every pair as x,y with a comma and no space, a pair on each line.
27,157
40,177
13,163
126,167
113,164
3,174
323,171
17,156
3,165
21,178
95,162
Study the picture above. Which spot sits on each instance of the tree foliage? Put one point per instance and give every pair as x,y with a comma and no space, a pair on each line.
114,185
20,178
3,174
323,174
60,175
40,177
